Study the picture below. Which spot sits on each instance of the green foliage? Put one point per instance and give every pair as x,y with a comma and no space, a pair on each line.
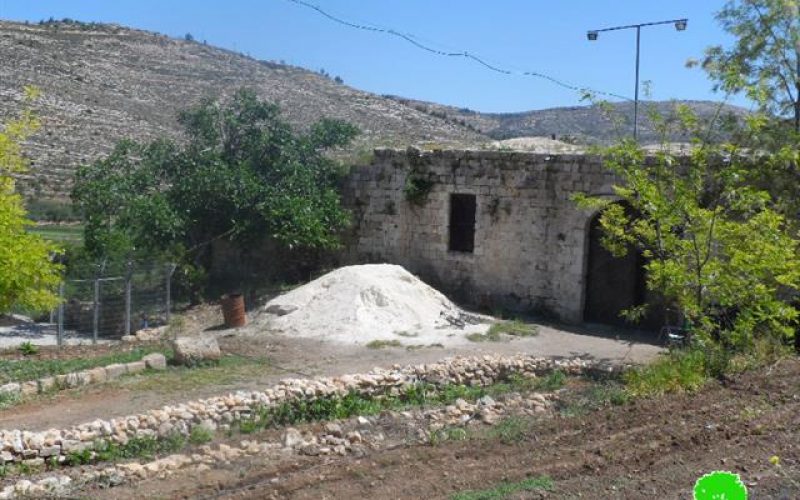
763,61
27,348
505,489
137,447
8,399
200,434
551,382
677,372
417,187
512,429
382,344
515,328
716,247
244,176
28,275
353,403
449,433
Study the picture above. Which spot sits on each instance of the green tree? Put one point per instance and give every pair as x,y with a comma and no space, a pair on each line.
243,175
28,275
764,61
714,244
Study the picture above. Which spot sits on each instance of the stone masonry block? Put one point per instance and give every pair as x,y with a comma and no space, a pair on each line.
136,367
116,370
155,361
30,388
97,375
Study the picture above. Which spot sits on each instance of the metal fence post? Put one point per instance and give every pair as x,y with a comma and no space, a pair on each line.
96,317
60,328
128,280
170,270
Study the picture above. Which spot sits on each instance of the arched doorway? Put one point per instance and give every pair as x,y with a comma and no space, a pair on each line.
613,284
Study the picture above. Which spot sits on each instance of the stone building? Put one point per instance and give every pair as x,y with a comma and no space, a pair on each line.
495,229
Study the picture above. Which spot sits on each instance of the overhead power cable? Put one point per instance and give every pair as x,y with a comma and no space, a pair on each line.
497,69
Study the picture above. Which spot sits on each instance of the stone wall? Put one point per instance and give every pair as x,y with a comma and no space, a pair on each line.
530,248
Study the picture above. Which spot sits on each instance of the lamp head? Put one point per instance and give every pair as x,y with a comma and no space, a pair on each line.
591,35
680,24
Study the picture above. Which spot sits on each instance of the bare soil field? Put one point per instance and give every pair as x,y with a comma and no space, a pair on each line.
654,448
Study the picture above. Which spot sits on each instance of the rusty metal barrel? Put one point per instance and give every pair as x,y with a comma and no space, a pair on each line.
233,310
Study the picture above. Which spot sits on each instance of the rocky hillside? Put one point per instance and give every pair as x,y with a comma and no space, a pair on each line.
578,124
102,83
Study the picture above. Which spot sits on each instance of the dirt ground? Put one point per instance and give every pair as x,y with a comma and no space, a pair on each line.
274,357
653,448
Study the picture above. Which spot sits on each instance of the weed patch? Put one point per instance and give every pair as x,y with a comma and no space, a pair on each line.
595,396
28,349
678,371
230,368
451,433
551,382
353,403
381,344
200,434
505,489
513,328
511,429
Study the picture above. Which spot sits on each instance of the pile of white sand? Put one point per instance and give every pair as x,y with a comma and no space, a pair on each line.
361,304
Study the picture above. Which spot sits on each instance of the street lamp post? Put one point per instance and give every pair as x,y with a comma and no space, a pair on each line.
680,25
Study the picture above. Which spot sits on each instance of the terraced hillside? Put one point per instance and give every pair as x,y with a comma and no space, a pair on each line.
102,83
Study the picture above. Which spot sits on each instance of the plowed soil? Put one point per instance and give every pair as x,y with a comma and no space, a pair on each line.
655,448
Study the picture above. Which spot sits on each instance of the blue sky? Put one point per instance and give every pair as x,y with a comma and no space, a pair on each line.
528,35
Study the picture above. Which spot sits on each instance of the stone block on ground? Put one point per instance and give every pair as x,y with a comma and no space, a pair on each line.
190,351
136,366
30,388
10,389
155,361
116,370
46,383
97,375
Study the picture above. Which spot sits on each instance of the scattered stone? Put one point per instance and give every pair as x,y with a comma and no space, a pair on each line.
333,429
155,361
192,350
292,438
486,401
313,450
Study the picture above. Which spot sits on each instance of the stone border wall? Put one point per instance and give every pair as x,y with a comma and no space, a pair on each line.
222,411
155,361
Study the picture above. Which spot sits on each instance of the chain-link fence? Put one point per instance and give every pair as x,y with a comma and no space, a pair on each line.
109,307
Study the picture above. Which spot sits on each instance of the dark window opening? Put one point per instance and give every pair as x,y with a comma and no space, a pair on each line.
462,222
